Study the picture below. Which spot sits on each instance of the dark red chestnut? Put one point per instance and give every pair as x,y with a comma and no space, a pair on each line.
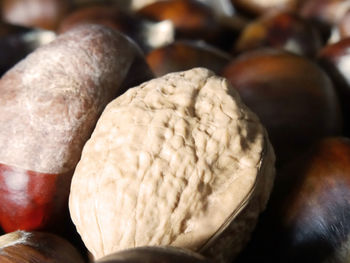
282,30
36,247
154,255
44,14
184,55
335,58
292,95
30,200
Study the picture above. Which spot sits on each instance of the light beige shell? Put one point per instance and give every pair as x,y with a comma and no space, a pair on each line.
178,161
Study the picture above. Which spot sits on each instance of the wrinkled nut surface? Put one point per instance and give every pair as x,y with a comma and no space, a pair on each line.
175,161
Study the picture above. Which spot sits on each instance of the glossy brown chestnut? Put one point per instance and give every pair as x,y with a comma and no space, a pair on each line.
44,14
292,95
184,55
108,15
335,58
282,30
154,255
312,213
36,247
191,18
254,7
30,200
307,219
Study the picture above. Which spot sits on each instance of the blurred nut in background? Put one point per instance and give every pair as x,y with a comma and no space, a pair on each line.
325,14
147,34
184,55
16,42
44,14
335,58
258,7
293,97
37,247
281,30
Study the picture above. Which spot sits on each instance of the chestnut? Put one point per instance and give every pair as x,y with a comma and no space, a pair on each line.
31,200
17,41
44,14
191,18
37,247
335,59
307,219
292,95
154,255
184,55
312,204
283,30
257,8
145,33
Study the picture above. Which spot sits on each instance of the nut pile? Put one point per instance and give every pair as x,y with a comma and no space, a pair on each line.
174,131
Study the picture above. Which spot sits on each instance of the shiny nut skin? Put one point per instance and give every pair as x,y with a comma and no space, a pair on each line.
184,55
283,30
335,59
36,247
312,204
154,255
30,200
293,97
192,19
44,14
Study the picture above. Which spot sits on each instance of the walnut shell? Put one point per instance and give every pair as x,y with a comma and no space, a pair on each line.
177,161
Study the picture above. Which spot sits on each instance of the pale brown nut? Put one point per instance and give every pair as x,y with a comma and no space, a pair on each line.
177,161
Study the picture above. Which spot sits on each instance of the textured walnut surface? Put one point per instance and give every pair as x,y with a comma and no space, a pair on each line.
168,163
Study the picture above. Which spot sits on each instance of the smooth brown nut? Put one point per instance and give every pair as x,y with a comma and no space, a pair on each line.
280,30
294,98
184,55
311,204
38,247
191,18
